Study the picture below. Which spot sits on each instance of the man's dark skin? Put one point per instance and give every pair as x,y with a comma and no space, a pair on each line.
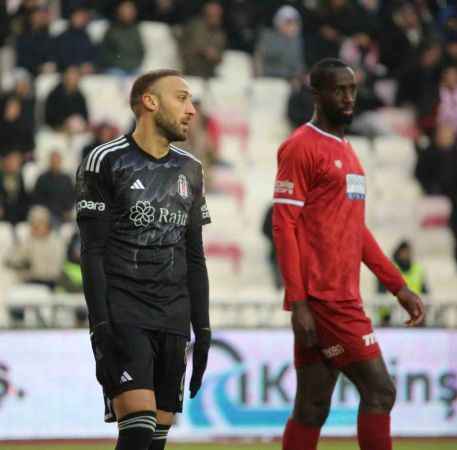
334,105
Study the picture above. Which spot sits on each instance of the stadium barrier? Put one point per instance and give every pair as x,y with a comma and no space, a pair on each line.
48,387
50,310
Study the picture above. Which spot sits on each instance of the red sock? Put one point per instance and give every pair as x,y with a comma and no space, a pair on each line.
374,431
300,437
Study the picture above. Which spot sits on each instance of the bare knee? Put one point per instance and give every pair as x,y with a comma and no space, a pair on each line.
380,398
165,418
312,413
134,401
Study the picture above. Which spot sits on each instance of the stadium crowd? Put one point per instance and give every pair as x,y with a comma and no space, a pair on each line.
404,54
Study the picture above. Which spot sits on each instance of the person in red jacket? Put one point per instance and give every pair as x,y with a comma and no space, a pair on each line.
321,240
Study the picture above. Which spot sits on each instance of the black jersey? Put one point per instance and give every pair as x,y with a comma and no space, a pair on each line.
149,204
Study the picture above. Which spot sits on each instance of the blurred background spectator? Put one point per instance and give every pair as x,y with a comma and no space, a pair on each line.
54,189
413,272
35,47
166,11
71,280
122,49
66,107
74,46
242,24
202,41
40,243
300,105
14,200
102,133
279,52
17,117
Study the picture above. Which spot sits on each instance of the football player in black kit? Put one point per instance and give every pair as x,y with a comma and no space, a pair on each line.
140,209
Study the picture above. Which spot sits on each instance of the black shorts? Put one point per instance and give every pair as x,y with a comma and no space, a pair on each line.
154,360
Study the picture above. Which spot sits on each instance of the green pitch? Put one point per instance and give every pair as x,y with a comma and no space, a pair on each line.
401,445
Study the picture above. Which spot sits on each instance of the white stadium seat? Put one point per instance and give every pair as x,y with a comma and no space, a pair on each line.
235,64
395,151
161,50
31,171
97,29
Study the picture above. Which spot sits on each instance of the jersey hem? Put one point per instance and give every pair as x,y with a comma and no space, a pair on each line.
146,326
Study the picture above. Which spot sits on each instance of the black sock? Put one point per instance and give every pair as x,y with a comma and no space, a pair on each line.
160,437
136,430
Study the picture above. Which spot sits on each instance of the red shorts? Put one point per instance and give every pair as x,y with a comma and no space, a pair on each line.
344,332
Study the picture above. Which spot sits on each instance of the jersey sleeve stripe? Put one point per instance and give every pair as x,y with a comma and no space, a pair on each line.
289,201
105,152
96,151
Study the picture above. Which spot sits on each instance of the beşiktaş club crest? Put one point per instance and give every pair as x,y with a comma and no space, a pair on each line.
183,186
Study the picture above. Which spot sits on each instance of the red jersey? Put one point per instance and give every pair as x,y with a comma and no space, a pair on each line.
319,220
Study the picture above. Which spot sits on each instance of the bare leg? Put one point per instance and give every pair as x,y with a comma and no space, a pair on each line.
315,385
377,397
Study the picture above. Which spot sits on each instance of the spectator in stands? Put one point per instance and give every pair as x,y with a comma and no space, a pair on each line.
38,257
21,16
267,230
412,272
35,48
279,52
14,200
17,116
122,48
423,77
73,46
71,280
54,189
16,131
337,21
433,160
65,107
203,41
4,24
103,132
447,108
166,11
242,23
300,105
406,33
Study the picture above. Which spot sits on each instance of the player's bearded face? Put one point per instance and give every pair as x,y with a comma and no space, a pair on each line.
336,115
169,126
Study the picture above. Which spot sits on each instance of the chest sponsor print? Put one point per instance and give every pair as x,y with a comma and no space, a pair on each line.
355,186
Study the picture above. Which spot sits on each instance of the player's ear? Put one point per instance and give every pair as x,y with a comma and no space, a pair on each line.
150,101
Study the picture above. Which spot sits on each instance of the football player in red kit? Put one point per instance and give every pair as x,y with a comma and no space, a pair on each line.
321,240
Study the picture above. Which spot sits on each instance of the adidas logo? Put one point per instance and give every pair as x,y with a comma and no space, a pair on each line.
137,185
125,377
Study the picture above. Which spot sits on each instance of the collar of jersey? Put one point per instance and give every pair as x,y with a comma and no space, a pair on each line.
136,147
330,135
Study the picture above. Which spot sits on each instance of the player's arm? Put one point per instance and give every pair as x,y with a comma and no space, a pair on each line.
94,220
386,272
292,184
198,286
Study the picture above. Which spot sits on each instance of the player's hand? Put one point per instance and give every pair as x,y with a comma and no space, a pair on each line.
303,324
199,359
109,354
413,305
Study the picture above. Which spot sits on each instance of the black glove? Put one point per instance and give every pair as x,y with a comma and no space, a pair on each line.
109,354
199,359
